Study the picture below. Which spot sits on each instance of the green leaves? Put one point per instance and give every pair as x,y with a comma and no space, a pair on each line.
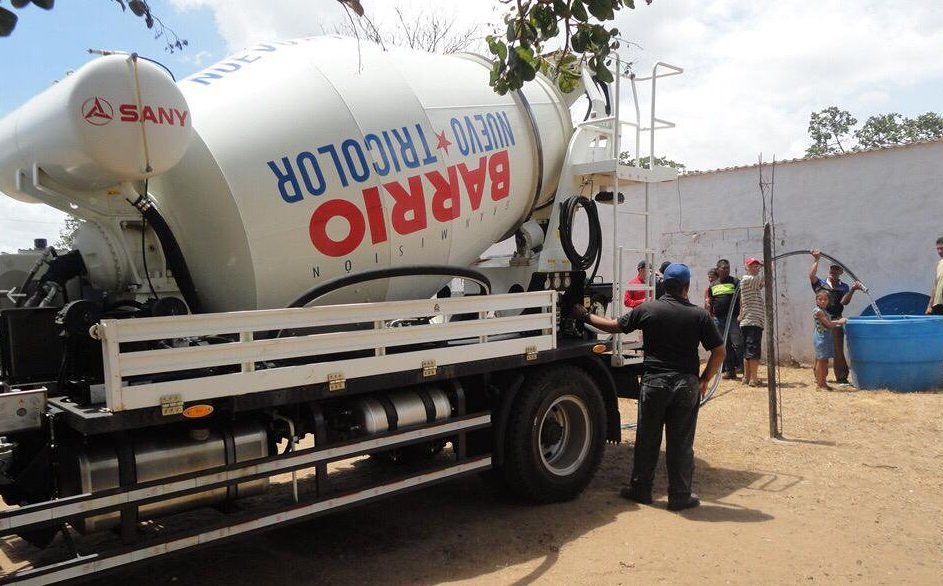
531,24
831,129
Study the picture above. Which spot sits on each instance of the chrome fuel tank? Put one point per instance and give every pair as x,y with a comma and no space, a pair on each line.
167,455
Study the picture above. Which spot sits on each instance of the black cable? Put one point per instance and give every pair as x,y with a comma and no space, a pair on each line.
593,254
144,248
390,272
176,263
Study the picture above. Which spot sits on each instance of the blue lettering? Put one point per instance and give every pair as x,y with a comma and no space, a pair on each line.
329,148
506,128
287,179
494,131
264,47
429,158
389,146
205,78
349,145
484,132
473,141
307,159
372,138
460,139
407,148
232,67
247,59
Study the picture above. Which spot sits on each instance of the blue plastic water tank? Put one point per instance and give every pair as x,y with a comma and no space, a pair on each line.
901,303
898,352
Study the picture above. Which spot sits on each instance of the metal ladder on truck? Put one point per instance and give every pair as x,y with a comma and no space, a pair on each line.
593,159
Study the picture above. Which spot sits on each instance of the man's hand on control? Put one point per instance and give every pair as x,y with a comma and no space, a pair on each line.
580,312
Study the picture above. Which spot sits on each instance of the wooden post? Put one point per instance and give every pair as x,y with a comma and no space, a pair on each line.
774,429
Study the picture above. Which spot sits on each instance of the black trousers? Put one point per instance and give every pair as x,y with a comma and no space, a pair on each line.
668,401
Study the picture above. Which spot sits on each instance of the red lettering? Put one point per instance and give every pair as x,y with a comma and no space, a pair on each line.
336,208
499,171
371,198
409,211
446,205
474,180
129,112
147,114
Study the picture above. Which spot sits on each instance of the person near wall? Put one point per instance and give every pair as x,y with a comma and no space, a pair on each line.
672,328
634,298
752,319
839,295
822,338
660,279
711,279
722,294
935,306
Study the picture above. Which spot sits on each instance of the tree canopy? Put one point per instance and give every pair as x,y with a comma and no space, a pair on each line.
832,131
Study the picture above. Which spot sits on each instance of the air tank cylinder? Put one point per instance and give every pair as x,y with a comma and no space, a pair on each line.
118,118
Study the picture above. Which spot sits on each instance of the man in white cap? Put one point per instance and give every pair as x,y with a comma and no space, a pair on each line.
672,329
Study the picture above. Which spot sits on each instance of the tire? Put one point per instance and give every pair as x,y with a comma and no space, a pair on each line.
555,436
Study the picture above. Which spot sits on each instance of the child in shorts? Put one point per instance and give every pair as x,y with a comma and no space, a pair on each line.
822,338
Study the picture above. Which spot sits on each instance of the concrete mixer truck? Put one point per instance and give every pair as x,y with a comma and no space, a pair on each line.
278,268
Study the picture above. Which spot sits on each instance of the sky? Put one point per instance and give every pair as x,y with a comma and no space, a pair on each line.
754,71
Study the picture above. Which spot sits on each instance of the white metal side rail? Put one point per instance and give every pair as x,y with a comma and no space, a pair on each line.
500,330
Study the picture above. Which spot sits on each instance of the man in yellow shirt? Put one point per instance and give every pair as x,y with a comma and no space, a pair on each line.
935,306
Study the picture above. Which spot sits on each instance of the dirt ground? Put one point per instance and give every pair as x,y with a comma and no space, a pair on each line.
851,495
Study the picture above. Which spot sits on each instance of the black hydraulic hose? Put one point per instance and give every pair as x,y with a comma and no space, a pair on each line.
384,273
831,258
593,254
171,249
49,250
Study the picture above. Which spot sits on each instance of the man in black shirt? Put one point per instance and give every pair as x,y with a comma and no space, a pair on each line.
672,328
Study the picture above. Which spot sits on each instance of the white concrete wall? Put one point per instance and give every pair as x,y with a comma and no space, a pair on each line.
879,212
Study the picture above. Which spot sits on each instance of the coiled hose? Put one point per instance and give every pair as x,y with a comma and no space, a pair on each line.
593,254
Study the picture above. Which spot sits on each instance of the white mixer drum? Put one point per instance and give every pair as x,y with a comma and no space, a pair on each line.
317,158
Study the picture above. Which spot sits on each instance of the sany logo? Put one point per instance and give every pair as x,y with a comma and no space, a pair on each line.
159,115
97,111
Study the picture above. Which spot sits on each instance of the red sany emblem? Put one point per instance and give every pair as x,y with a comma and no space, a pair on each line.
444,143
97,111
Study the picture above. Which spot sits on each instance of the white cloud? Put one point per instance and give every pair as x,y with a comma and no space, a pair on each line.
246,22
755,71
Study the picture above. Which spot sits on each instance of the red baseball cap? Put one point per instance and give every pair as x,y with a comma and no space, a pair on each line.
753,261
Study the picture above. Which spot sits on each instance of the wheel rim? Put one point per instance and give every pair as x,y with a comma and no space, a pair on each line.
565,435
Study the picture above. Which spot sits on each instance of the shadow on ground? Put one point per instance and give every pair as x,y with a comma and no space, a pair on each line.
458,530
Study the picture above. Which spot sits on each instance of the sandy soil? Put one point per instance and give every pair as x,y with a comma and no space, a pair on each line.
851,495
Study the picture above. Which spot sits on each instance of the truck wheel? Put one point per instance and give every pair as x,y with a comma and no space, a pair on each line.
555,436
